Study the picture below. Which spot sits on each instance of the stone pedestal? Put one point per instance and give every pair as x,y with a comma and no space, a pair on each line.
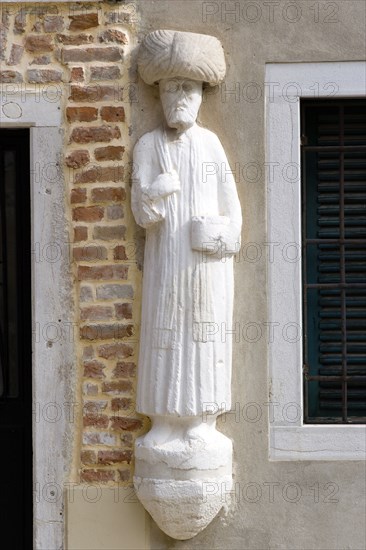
180,480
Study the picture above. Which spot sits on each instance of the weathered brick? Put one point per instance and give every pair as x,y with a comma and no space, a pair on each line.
77,74
10,76
123,311
77,195
111,457
88,213
111,152
53,23
91,253
41,60
97,92
113,291
44,75
99,438
88,352
117,350
20,22
127,424
114,388
97,476
86,294
80,233
124,370
112,114
113,35
102,272
93,409
38,43
105,332
100,173
98,421
3,40
107,233
81,114
83,21
77,159
74,40
105,194
90,389
119,16
95,134
105,73
88,457
94,369
121,404
124,475
115,212
91,54
96,313
94,406
127,439
119,253
16,53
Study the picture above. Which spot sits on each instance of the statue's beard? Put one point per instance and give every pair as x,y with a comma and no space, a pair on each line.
181,118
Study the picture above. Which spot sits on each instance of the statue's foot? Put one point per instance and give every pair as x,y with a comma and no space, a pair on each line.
160,432
202,432
176,431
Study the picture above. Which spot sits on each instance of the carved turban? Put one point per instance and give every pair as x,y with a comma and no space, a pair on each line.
169,54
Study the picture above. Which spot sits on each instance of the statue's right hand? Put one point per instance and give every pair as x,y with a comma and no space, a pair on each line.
165,184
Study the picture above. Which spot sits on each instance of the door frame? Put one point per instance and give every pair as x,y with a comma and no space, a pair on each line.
53,369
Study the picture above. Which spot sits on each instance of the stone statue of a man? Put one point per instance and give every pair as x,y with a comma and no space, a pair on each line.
185,196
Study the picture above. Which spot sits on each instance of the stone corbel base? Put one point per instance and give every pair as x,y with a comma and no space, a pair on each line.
180,481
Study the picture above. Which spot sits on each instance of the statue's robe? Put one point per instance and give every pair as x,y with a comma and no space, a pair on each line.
187,302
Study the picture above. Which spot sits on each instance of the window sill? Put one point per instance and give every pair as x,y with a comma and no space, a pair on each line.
320,442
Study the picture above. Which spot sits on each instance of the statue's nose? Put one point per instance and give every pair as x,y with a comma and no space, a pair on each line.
181,91
182,98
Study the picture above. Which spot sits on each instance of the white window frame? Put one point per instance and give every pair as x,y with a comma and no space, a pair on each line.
53,372
286,83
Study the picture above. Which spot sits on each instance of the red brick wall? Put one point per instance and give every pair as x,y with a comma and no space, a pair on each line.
83,53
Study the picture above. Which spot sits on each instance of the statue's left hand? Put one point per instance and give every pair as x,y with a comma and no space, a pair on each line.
212,235
165,184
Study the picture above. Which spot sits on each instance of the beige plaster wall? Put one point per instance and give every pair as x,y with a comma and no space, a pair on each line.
323,32
100,517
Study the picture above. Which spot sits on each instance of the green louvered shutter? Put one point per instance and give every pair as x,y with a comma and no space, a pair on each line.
334,260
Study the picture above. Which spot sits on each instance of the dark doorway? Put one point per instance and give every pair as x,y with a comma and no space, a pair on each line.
15,341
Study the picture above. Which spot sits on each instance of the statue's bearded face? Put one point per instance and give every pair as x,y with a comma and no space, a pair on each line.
181,99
